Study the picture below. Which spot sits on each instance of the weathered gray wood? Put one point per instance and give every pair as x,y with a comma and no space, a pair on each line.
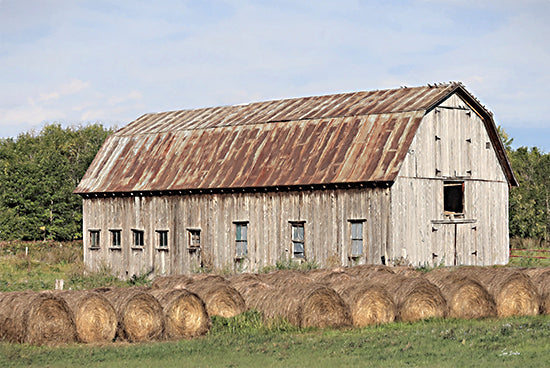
403,223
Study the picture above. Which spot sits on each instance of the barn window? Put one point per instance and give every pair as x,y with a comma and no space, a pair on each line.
356,237
138,238
94,239
298,239
453,197
163,239
115,238
194,236
241,239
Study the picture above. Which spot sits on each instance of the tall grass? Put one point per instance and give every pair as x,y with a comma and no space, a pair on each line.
36,266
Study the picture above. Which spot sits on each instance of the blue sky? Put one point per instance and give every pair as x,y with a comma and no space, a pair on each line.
75,62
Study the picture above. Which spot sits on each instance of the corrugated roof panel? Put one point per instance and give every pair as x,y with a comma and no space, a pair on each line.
345,138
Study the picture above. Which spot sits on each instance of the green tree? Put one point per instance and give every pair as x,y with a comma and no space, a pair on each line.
530,202
39,172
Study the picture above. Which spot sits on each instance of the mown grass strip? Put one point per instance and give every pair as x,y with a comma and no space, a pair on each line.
245,341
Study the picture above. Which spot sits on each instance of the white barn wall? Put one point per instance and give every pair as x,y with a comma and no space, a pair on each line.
325,212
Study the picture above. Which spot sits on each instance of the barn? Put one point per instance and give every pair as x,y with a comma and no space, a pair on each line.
413,176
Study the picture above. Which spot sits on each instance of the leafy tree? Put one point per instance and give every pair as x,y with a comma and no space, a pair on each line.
38,173
530,202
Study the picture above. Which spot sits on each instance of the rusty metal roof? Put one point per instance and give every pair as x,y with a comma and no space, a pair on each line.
345,138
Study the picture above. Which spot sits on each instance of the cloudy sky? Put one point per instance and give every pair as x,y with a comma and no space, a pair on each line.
83,61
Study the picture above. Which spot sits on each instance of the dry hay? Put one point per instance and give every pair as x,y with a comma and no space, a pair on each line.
35,318
370,304
248,284
95,317
541,279
311,305
513,291
220,298
416,298
406,271
140,315
184,312
364,271
466,298
334,276
285,278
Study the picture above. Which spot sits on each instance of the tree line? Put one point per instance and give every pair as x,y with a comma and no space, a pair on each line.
529,204
38,173
40,170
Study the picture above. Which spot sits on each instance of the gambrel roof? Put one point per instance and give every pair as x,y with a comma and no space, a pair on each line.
349,138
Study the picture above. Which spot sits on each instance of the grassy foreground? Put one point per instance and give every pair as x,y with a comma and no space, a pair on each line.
245,341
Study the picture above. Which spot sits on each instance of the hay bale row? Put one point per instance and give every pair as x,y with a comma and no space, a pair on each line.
99,316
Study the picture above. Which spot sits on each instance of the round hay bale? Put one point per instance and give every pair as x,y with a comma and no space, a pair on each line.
540,277
513,292
369,304
140,315
248,284
184,312
311,305
220,298
466,298
36,318
95,317
416,298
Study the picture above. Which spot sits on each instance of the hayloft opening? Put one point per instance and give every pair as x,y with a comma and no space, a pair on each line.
453,197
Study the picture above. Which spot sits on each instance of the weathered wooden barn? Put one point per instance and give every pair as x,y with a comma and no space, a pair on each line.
409,175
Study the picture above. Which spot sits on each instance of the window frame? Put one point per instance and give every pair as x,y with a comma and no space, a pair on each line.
136,237
95,238
162,234
193,234
296,240
241,242
116,234
357,238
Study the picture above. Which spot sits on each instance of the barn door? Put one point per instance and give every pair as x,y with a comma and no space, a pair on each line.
443,250
454,244
466,244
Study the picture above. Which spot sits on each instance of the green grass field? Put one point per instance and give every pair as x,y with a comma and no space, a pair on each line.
245,341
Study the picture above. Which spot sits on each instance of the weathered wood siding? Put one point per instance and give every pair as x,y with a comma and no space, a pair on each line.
451,144
326,214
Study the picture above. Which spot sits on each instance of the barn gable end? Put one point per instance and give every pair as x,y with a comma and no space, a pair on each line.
451,149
